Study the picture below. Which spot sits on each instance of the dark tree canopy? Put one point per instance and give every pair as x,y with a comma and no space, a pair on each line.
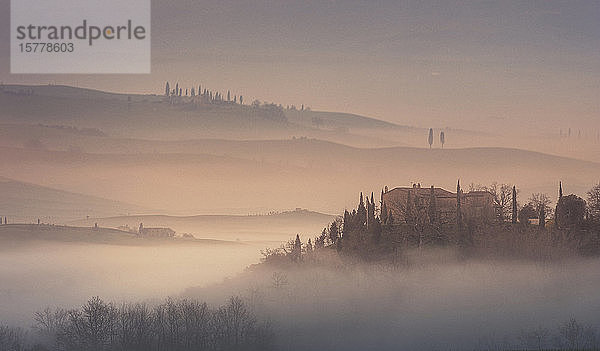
570,211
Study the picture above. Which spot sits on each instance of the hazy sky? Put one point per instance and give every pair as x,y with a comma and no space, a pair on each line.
441,63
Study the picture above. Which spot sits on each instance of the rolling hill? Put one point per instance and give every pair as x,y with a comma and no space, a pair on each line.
271,227
26,202
155,117
259,176
12,235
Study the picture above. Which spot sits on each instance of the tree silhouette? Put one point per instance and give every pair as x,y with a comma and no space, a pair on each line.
430,139
560,191
297,249
514,204
432,206
541,204
442,138
167,89
333,232
570,211
527,212
459,218
542,217
594,203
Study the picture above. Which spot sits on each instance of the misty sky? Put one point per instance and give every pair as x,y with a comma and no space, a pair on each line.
425,63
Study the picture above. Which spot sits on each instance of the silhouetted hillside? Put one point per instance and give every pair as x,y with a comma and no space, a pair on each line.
158,117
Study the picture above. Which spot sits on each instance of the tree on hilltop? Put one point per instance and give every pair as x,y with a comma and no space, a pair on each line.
430,139
442,138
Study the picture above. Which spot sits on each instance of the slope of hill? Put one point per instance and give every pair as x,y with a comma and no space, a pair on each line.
12,235
68,92
155,117
25,202
272,227
254,176
338,120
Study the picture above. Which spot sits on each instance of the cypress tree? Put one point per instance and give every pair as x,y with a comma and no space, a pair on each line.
560,195
167,90
228,95
297,256
430,139
371,213
514,204
458,208
347,226
442,138
560,191
362,211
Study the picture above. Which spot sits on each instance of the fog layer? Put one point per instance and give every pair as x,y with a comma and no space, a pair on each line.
443,305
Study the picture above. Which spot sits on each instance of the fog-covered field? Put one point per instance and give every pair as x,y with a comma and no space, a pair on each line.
66,274
432,300
435,303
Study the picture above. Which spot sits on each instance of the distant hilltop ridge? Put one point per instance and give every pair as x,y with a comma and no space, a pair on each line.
201,95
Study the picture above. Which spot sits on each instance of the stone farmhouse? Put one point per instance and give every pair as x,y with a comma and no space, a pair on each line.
474,204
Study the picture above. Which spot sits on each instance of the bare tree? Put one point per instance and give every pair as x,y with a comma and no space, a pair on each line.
502,194
594,203
535,339
541,203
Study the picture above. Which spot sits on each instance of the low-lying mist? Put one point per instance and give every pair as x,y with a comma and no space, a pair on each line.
430,300
42,274
436,302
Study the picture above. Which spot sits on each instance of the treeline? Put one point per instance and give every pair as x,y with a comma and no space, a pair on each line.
533,229
209,95
172,325
203,95
586,134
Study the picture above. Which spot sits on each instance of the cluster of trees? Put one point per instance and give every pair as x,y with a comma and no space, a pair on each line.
172,325
211,96
294,108
568,134
571,335
372,232
430,138
256,111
